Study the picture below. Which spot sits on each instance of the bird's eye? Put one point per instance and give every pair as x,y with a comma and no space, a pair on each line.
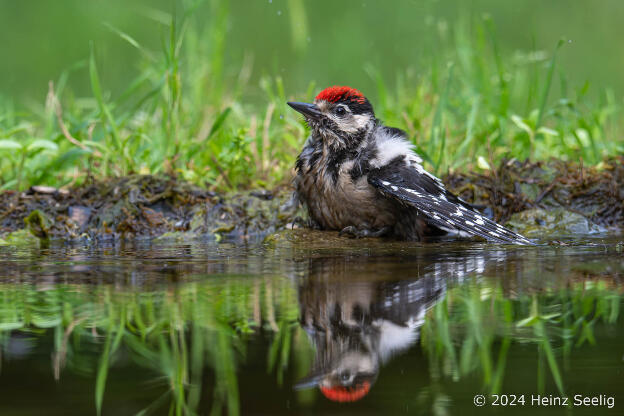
345,376
340,111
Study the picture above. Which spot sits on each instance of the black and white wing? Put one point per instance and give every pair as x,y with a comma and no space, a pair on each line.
405,180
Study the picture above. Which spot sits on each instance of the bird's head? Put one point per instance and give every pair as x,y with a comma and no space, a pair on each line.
349,379
340,116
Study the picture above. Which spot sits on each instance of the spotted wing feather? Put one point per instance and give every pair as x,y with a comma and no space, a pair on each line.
410,186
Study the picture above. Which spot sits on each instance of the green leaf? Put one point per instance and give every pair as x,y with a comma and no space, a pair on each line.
219,122
530,321
548,132
42,144
22,126
102,373
10,145
10,184
540,332
438,133
97,145
9,326
42,322
59,164
123,35
549,78
550,316
518,121
470,127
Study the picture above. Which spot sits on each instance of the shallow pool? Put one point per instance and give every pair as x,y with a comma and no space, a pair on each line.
311,323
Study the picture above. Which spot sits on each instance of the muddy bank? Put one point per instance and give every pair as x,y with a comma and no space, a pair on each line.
536,198
549,198
142,206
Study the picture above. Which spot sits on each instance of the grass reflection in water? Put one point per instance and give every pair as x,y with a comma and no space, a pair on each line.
328,319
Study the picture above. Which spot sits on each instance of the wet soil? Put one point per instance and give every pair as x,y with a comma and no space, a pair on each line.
596,193
142,206
531,197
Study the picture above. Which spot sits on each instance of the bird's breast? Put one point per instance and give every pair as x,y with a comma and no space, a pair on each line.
336,200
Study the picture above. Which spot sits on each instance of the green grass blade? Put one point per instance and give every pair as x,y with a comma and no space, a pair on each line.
97,92
102,373
219,122
123,35
546,90
437,129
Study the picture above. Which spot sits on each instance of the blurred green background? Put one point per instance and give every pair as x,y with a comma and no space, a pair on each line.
197,88
326,41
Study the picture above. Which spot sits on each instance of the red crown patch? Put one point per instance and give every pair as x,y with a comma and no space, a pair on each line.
335,94
346,394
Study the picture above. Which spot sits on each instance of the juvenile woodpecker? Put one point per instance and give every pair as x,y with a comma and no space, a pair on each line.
364,179
356,325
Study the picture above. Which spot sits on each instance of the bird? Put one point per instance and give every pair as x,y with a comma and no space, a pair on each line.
357,324
364,179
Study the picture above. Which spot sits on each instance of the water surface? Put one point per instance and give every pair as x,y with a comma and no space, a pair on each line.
311,324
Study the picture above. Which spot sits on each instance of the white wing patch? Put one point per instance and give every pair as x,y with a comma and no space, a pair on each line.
391,146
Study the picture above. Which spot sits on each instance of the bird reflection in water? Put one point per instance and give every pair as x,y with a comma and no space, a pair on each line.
359,314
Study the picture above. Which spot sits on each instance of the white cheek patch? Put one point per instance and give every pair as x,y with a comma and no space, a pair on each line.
361,120
351,124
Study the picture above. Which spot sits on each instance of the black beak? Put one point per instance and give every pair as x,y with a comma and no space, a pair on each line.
308,382
308,110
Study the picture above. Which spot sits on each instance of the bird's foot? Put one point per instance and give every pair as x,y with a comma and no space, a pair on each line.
353,232
349,231
298,222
